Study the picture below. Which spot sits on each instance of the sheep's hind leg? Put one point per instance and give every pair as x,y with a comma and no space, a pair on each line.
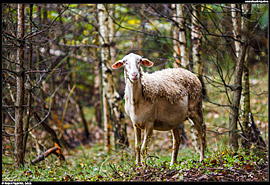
199,135
176,143
137,144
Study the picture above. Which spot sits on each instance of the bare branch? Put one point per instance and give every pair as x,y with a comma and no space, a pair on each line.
32,34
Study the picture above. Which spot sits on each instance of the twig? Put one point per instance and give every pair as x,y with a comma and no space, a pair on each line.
9,71
42,71
142,32
32,34
6,134
44,119
65,108
220,72
208,32
115,171
217,133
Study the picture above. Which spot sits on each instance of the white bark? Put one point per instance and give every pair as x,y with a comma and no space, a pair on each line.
18,152
182,35
236,27
103,29
196,37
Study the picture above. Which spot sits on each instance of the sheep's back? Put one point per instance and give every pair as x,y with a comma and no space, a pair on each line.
171,83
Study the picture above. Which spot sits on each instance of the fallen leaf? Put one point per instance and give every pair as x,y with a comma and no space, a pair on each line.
213,162
29,172
249,166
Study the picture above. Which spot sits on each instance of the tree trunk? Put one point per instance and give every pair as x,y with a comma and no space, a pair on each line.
246,90
196,37
29,94
176,43
234,113
178,18
111,98
236,27
106,72
18,153
115,103
180,33
97,94
97,80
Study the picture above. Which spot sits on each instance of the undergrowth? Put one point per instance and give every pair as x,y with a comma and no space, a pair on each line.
93,164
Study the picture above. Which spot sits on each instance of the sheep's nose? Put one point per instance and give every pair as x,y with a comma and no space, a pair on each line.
134,74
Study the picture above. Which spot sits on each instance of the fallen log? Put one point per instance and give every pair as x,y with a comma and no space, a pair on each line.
54,150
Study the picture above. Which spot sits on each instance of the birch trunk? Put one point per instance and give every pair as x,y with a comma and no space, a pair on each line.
18,153
115,103
236,27
106,72
97,94
182,36
176,44
181,47
234,113
196,36
111,98
246,95
97,82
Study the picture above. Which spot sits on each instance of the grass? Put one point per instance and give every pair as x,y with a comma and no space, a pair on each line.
93,164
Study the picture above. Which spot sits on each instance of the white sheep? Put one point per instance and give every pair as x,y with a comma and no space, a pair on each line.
161,101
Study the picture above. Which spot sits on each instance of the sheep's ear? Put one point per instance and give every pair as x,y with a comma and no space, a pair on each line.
117,64
147,62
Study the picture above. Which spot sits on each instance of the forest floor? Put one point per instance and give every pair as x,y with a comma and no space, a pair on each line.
91,163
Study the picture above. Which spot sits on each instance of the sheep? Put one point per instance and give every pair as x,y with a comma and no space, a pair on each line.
161,101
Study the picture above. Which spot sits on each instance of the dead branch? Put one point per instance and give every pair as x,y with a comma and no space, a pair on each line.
54,150
32,34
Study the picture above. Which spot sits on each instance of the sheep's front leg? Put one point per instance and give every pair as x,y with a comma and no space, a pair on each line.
148,131
176,143
137,144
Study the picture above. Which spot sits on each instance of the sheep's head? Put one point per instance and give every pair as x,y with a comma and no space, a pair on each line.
132,64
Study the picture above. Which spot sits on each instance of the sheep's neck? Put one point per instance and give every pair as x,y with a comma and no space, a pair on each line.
136,91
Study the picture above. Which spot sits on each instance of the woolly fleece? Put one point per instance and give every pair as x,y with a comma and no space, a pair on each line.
171,83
